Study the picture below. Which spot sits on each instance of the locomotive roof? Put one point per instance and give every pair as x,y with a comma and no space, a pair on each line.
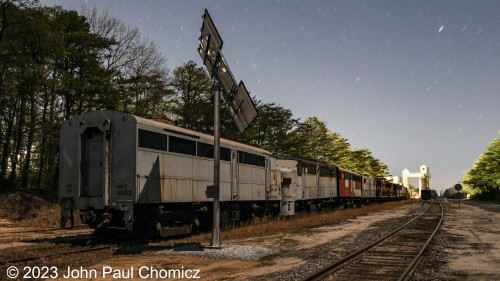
306,161
181,131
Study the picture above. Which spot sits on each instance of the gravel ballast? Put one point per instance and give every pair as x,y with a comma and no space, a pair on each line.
225,252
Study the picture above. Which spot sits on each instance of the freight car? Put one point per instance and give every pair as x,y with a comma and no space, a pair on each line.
127,172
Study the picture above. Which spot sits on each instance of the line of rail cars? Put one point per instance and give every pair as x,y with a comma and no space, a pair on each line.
123,171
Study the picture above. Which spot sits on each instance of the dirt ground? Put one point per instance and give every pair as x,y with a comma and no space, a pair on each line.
471,251
466,247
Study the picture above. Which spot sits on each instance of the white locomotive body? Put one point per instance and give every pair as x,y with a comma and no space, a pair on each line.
115,164
128,172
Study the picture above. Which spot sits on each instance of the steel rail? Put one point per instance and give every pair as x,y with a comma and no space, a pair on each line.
30,230
326,271
55,255
409,270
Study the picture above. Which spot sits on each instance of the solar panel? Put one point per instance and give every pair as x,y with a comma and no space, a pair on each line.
242,108
239,103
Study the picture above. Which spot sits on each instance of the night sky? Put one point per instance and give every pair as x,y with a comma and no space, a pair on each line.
416,82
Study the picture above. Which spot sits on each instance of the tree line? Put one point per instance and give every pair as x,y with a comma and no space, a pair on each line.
482,181
56,63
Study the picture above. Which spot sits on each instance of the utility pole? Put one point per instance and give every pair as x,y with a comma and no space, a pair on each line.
239,104
216,240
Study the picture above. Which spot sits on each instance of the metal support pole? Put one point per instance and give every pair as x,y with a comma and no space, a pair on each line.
216,240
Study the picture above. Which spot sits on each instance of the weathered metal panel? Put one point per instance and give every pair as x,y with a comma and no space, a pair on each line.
203,175
151,178
101,146
252,181
204,169
368,187
225,181
235,178
177,166
251,174
274,191
324,187
333,187
69,165
310,186
178,190
357,188
249,192
288,169
123,177
349,183
344,184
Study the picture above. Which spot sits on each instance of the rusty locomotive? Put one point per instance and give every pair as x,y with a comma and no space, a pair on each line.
127,172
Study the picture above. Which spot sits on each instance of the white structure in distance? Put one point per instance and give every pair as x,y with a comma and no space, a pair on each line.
424,176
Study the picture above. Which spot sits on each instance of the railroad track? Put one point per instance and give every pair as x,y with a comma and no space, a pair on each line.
30,230
394,257
55,235
53,254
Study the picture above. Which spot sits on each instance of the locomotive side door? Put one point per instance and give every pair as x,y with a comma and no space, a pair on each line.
92,165
94,162
95,168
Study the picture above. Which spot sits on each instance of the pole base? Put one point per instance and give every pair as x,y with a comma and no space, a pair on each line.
216,241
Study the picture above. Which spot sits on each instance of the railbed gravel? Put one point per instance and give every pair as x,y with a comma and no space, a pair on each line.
317,257
320,256
436,256
225,252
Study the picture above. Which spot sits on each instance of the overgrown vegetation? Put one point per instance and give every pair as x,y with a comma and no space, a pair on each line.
482,181
55,64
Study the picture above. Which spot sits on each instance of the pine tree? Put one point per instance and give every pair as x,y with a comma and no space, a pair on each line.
484,177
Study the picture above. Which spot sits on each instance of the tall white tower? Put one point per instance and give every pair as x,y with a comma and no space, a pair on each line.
423,183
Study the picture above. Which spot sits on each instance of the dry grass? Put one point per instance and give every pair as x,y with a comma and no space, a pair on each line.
302,221
29,210
299,222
